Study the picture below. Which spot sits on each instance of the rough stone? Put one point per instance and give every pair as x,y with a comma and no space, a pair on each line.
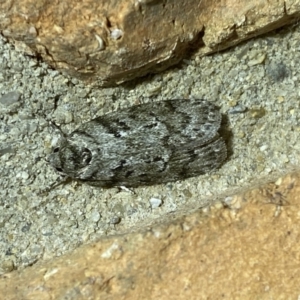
110,42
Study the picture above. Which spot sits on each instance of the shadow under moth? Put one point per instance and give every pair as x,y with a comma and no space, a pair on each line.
145,144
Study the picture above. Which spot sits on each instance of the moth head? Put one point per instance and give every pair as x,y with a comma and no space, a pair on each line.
69,159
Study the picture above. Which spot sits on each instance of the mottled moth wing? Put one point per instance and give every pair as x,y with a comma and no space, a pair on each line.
143,145
180,121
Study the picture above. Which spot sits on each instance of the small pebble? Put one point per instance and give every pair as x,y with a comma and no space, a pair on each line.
10,98
116,34
155,202
115,220
237,109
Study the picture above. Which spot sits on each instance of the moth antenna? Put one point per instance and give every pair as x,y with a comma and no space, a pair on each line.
55,184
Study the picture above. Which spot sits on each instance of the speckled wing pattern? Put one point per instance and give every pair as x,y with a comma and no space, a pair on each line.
146,144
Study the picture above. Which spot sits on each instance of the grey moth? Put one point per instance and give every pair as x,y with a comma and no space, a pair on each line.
146,144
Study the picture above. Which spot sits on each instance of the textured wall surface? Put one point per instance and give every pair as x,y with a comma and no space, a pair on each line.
245,247
246,250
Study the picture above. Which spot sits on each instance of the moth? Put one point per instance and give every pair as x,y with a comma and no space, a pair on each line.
146,144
